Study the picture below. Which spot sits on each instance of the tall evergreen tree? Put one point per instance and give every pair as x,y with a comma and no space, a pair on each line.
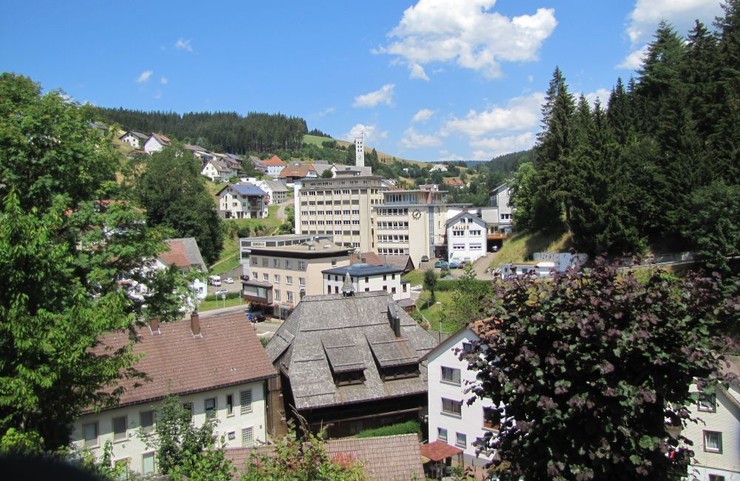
551,152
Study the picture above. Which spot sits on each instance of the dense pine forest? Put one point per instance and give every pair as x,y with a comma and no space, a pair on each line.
220,131
658,165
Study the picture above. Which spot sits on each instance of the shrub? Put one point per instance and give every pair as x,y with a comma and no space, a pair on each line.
409,427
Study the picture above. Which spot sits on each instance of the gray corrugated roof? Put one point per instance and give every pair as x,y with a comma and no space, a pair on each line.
246,189
352,329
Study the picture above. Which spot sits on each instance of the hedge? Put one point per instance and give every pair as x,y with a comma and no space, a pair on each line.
409,427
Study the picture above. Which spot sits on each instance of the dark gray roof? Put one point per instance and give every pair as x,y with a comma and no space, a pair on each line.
245,189
345,334
462,214
361,269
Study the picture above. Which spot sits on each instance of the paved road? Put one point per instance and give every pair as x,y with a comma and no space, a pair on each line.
281,209
479,267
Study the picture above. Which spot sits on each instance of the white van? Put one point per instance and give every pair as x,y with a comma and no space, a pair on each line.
214,281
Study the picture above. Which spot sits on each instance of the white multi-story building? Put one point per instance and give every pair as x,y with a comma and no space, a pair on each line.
339,207
219,370
466,237
501,215
276,190
413,222
716,436
451,419
369,278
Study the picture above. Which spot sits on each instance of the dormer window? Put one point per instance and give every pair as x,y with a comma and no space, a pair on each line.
341,351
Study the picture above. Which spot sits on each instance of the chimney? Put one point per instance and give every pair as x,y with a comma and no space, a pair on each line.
394,319
154,326
195,324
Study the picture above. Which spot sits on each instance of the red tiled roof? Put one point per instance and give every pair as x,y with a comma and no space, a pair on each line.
439,450
275,160
176,362
175,255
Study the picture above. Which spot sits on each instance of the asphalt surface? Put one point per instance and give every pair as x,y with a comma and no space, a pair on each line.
480,267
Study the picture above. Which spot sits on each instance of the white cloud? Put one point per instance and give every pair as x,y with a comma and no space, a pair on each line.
646,16
601,94
144,76
384,95
325,112
417,71
633,61
414,140
183,44
521,113
163,80
422,115
467,33
371,133
495,146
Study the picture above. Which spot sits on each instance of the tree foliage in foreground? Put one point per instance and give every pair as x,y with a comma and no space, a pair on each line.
588,370
68,235
301,459
185,451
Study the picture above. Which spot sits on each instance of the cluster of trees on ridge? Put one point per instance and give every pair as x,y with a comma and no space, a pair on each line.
219,131
658,165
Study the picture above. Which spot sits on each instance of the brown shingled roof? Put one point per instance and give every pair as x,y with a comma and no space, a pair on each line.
386,458
176,362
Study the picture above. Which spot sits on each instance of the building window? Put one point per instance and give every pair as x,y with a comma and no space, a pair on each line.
90,431
461,440
265,277
277,278
302,281
245,399
450,375
713,442
287,264
147,463
210,407
247,437
289,280
188,407
229,404
451,407
707,403
442,434
467,347
119,428
146,421
716,477
290,296
488,416
276,295
301,266
276,263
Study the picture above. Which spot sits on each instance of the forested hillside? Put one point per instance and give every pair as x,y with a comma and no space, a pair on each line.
220,131
658,165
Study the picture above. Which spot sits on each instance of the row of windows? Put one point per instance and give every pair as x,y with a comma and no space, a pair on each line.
392,211
393,251
393,238
279,263
336,232
472,247
330,212
403,225
91,430
461,439
336,222
277,278
472,233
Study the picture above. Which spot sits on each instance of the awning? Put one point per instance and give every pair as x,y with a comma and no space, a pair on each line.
438,450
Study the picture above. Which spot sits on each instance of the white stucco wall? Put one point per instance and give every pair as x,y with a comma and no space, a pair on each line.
133,449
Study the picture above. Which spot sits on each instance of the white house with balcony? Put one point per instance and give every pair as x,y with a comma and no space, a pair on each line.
466,237
242,201
216,367
451,419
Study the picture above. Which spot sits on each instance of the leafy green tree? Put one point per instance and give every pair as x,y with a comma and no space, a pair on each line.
68,236
185,451
588,371
174,195
468,297
524,196
301,459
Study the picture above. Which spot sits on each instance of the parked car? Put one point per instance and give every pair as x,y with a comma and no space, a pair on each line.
454,265
463,263
229,280
221,292
441,265
424,258
245,277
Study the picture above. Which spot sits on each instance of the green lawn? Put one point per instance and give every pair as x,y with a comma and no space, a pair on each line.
521,247
218,304
438,313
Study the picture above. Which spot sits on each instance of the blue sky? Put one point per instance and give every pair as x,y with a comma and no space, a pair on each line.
425,80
